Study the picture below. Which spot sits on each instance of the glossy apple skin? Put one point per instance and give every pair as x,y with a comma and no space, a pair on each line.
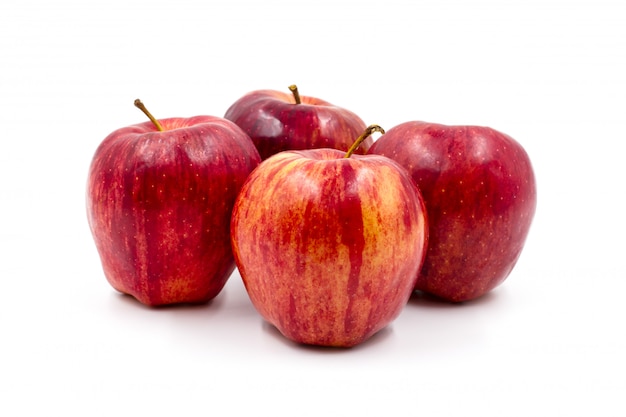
479,189
329,247
159,206
276,123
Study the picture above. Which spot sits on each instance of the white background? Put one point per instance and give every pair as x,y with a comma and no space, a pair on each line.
549,341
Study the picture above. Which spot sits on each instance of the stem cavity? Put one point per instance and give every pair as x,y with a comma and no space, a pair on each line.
143,108
366,133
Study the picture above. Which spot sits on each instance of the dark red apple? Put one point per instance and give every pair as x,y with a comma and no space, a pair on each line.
278,121
479,189
329,246
159,204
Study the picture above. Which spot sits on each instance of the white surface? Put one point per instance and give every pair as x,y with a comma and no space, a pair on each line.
549,341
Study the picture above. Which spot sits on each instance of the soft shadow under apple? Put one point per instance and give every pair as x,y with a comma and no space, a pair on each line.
423,300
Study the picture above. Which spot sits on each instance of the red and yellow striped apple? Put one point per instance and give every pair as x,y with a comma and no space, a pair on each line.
159,200
277,121
479,189
329,244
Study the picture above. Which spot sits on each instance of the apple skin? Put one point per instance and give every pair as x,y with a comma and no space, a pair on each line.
159,206
329,247
275,123
479,189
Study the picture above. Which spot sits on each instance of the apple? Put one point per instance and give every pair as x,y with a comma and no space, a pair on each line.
278,121
329,244
159,200
479,189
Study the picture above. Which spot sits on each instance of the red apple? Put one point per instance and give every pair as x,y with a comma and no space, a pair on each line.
159,206
277,121
479,189
329,246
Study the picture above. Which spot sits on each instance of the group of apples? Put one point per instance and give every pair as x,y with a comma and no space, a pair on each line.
331,230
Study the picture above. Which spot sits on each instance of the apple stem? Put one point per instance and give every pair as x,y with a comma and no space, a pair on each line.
368,131
296,94
141,107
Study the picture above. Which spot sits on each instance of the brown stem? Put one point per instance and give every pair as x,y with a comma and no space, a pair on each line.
368,131
296,94
141,107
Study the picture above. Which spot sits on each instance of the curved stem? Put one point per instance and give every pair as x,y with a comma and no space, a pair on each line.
366,133
296,94
141,107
